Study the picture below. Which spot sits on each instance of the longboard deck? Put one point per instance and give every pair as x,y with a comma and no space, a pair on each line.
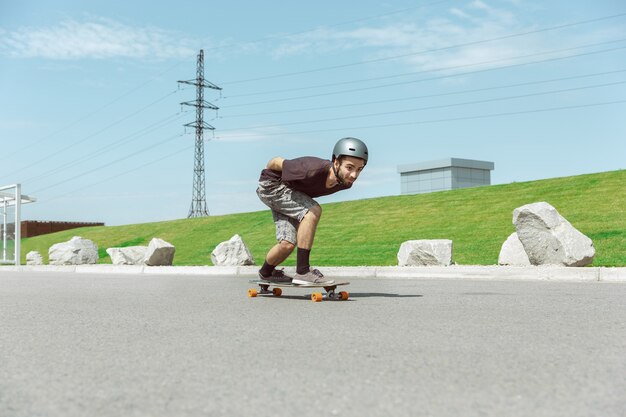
288,284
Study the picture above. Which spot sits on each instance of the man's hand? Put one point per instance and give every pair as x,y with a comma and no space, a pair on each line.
276,164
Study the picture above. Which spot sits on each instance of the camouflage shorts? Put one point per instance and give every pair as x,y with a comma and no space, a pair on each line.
288,208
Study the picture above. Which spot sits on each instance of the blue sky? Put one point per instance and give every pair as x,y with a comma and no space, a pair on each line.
91,122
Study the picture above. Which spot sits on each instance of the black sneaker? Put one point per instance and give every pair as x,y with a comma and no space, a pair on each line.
314,276
278,276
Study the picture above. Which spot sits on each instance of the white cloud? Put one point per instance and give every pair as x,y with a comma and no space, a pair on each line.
477,4
97,39
461,25
459,13
482,31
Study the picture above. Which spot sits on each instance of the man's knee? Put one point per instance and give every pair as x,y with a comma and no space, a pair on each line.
315,212
286,246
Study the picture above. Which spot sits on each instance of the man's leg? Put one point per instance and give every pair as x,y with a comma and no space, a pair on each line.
285,233
308,226
286,237
279,252
276,255
306,237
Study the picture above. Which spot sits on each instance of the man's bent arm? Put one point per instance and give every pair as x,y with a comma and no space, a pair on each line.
276,164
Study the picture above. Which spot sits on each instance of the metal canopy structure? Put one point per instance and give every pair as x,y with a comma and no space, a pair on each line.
11,200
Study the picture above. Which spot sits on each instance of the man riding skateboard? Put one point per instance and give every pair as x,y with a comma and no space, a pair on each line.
288,186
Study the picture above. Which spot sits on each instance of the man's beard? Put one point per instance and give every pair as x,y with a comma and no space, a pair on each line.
343,180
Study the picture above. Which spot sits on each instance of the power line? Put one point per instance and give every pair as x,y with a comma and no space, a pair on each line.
94,112
385,77
107,148
289,74
442,106
352,90
474,90
452,119
91,185
80,141
150,147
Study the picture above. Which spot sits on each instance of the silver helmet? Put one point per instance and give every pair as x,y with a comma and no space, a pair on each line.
350,147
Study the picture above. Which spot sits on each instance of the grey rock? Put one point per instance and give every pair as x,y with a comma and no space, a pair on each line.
159,253
77,251
129,255
513,253
425,253
549,239
233,252
34,258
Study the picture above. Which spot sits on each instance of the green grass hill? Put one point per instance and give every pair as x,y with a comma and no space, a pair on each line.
369,232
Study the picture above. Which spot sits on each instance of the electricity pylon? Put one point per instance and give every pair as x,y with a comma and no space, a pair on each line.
198,200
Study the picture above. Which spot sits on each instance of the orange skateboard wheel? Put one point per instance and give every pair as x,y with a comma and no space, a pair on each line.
252,292
316,297
277,292
344,295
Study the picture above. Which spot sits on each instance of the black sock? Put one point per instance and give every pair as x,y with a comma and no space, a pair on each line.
303,261
267,269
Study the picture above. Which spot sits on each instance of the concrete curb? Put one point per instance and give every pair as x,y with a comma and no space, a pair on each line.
489,272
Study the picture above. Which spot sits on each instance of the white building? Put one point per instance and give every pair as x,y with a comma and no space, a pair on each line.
444,174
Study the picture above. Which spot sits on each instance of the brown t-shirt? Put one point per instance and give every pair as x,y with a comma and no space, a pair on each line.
307,175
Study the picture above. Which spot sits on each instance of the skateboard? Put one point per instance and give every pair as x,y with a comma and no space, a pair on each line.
316,296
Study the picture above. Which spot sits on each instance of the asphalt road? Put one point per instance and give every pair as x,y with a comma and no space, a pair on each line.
131,345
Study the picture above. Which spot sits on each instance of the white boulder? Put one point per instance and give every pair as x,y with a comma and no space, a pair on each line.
159,253
435,252
513,253
77,251
549,239
34,258
233,252
129,255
